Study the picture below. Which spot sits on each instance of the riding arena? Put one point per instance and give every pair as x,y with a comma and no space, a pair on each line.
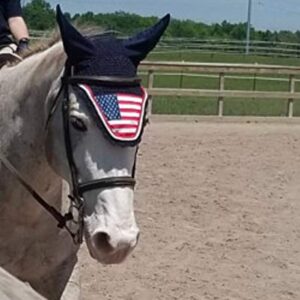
105,193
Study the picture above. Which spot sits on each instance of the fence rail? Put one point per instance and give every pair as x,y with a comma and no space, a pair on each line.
157,68
264,48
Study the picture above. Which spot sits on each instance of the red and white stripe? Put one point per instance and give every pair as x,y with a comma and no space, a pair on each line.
132,110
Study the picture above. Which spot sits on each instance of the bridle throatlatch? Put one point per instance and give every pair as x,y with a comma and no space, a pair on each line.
123,138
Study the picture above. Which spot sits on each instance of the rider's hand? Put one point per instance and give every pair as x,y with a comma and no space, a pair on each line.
23,46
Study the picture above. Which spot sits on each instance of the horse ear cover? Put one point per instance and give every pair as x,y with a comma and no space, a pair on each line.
77,47
140,45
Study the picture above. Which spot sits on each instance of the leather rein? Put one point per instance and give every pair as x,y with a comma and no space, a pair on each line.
78,188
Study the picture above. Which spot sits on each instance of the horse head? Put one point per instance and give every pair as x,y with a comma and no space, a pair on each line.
94,129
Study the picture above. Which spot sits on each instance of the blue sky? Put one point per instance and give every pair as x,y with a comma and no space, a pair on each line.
266,14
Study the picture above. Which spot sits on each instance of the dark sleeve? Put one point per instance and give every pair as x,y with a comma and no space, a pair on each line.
13,8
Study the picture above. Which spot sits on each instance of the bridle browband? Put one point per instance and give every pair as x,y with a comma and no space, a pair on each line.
78,188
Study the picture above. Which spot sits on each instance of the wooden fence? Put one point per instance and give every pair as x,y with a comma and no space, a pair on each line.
222,70
264,48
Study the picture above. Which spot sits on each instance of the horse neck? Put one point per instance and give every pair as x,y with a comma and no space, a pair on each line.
26,87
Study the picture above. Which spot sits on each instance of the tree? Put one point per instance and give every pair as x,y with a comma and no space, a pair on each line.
39,15
239,32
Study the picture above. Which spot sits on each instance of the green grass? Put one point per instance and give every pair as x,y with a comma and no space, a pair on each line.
208,106
232,107
184,106
222,58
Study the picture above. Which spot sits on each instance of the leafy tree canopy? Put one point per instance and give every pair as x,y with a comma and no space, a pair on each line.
39,15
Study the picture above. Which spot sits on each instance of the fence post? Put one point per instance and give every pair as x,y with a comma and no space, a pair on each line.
150,86
221,99
291,100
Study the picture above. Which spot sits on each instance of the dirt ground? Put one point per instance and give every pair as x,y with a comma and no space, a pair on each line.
219,211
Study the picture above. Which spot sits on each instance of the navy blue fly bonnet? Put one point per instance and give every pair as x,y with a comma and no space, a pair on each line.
119,110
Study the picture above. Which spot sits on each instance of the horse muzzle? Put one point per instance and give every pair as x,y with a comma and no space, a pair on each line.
112,247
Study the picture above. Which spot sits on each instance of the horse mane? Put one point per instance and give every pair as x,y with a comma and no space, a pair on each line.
43,44
52,48
54,38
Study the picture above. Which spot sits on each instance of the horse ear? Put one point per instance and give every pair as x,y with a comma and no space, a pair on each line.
141,44
77,47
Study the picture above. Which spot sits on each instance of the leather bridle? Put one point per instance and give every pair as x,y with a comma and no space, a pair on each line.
78,188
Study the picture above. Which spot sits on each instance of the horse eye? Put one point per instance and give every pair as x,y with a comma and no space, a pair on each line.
78,124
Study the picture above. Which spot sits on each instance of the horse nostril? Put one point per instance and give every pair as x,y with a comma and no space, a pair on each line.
101,240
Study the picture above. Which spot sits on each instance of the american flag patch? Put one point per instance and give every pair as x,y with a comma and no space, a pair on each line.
121,114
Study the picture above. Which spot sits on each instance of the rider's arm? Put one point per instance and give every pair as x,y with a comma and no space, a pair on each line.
17,25
18,28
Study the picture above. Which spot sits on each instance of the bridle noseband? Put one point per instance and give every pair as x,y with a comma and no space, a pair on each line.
78,188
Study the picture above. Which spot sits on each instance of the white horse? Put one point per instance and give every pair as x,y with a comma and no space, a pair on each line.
12,288
42,114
